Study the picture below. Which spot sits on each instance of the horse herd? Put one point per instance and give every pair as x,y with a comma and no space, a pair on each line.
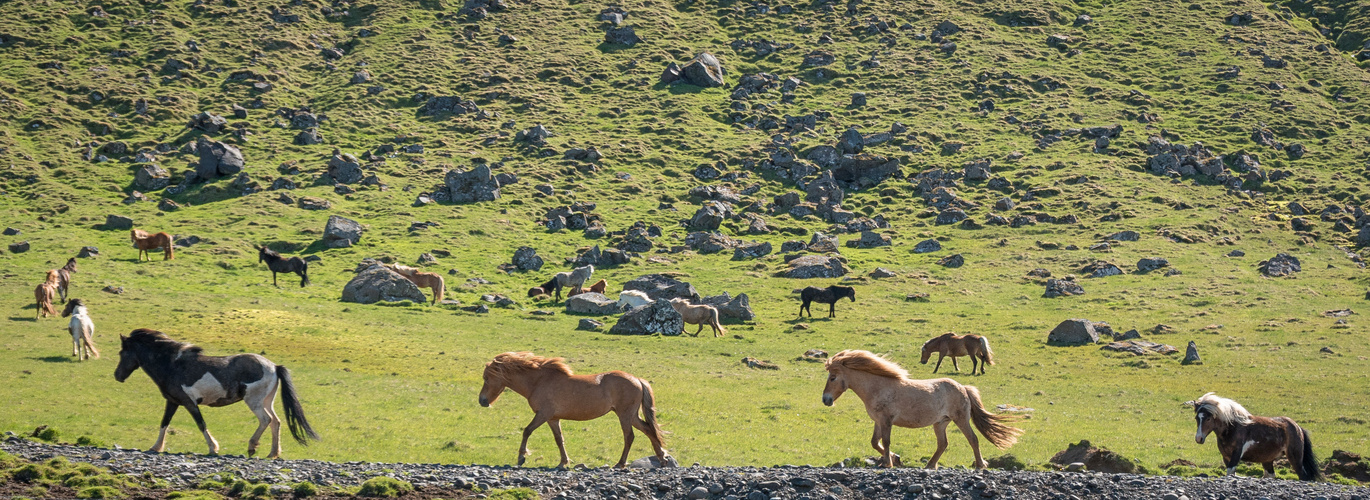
187,378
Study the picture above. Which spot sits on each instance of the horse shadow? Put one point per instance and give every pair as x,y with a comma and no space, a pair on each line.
56,359
30,319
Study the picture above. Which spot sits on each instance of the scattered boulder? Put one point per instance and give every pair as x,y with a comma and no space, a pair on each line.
341,232
704,71
1281,265
117,222
1060,288
592,303
1147,265
589,324
881,272
377,283
621,35
927,246
752,251
709,242
1139,347
20,247
1191,354
870,239
208,122
657,317
761,364
1101,269
217,159
344,168
822,243
88,252
1096,459
527,259
953,261
475,185
1073,332
710,216
312,203
662,288
1124,236
739,307
151,177
10,231
816,266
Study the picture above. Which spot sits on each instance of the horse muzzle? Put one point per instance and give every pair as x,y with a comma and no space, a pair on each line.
484,403
1199,439
827,400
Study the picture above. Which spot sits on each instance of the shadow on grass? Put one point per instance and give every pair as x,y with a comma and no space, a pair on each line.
56,359
24,318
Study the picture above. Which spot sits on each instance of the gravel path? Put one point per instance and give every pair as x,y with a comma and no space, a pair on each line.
750,483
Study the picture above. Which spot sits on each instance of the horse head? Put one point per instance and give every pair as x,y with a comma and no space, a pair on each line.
493,387
71,307
927,352
128,359
837,384
850,293
1207,421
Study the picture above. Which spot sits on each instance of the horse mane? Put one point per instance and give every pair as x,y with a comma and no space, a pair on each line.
1225,410
53,277
160,342
939,337
269,252
868,362
508,362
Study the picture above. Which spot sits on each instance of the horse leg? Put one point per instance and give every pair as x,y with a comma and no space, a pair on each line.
832,309
263,421
969,432
166,422
264,407
555,425
940,429
200,422
651,436
876,441
954,365
538,420
75,345
1270,468
625,420
700,329
940,357
273,279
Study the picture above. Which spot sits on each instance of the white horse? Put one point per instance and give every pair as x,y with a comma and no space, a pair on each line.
632,299
576,278
82,330
698,314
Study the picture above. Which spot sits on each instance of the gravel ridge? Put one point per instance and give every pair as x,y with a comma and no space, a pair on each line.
721,483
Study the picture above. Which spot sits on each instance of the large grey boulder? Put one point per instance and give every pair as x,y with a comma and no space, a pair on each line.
592,303
341,232
345,169
217,159
1281,265
704,70
151,177
739,307
657,317
710,216
660,287
467,186
118,222
527,259
376,283
1061,288
865,169
816,266
1073,331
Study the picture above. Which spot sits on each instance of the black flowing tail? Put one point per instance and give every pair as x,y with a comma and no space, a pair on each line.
294,413
1308,467
304,274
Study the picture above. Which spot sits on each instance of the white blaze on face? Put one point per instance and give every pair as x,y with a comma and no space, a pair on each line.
207,390
1199,433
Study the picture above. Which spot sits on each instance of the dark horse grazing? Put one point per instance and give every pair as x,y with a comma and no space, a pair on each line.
188,378
951,344
1243,437
278,264
551,287
829,296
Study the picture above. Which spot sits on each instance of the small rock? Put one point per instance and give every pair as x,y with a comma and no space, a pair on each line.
927,246
881,272
88,252
591,325
1191,354
20,247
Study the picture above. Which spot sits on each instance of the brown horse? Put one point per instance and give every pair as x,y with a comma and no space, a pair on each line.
698,314
64,278
951,344
144,241
422,279
599,286
1243,437
554,394
893,399
45,294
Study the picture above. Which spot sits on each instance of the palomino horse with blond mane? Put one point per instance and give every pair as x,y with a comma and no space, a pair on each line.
951,344
422,279
556,394
893,399
144,242
1243,437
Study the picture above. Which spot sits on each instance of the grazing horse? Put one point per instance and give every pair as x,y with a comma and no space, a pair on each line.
46,293
829,296
188,378
698,314
1243,437
278,264
536,291
145,242
64,278
553,286
951,344
893,399
632,299
422,279
576,278
554,394
82,330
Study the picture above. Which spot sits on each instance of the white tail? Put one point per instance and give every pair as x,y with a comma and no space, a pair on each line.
989,353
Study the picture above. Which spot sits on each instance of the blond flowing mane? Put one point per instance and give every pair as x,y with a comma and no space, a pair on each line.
509,362
1225,410
868,362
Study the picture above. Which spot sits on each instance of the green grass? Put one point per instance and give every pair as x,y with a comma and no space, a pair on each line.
400,383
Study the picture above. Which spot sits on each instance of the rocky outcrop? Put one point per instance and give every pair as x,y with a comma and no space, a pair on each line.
816,266
469,186
376,283
731,307
1073,332
657,317
217,159
660,287
341,232
592,303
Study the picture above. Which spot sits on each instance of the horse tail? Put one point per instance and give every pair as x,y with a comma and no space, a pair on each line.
989,353
170,254
994,427
1307,468
304,273
649,413
438,289
294,413
717,323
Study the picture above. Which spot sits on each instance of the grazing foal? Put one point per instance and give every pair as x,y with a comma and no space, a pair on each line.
1243,437
278,264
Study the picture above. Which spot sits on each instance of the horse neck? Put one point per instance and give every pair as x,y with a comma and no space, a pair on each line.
866,385
157,365
525,381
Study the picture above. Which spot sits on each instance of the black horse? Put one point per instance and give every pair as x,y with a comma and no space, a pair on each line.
188,378
829,296
278,264
553,287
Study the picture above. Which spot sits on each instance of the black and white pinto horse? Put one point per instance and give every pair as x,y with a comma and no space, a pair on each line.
1243,437
188,378
82,330
278,264
829,296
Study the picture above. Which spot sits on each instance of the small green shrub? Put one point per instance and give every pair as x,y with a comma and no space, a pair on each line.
31,473
194,495
382,486
305,490
49,434
513,494
262,490
100,492
88,441
238,487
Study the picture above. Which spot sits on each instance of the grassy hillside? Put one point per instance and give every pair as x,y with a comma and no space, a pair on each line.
399,382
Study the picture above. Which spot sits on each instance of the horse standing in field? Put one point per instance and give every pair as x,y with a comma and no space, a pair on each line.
829,296
551,287
145,242
555,394
699,314
46,293
893,399
278,264
951,344
82,330
422,279
64,278
1243,437
188,378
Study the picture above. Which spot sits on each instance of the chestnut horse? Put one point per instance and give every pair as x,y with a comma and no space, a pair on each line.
144,242
951,344
893,399
422,279
45,294
598,287
1243,437
554,394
